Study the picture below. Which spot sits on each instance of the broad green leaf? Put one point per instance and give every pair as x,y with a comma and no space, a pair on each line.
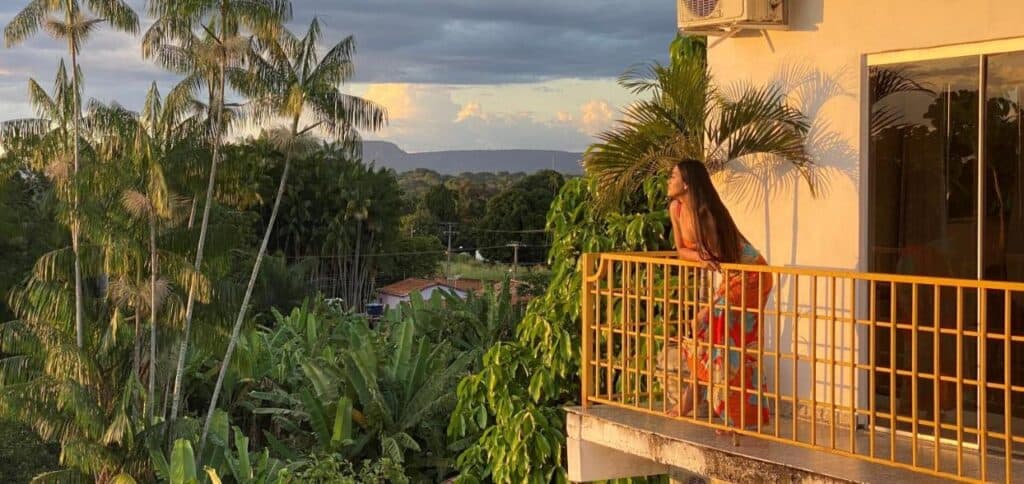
219,429
342,422
317,416
183,463
321,384
242,447
281,449
481,417
403,351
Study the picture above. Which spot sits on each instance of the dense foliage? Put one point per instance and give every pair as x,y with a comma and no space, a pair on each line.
512,406
485,210
518,213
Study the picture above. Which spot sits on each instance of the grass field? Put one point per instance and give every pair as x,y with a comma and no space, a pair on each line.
469,268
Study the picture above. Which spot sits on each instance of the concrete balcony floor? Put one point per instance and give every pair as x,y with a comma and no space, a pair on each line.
608,442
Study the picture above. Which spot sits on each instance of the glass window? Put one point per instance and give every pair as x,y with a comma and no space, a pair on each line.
926,218
924,158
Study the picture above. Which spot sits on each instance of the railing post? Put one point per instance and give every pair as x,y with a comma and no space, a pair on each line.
587,322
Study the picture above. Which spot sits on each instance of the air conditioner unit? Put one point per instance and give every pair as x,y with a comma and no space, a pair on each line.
709,16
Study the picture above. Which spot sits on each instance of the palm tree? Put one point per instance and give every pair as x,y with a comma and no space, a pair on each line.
49,133
287,79
162,132
172,41
81,397
687,116
74,28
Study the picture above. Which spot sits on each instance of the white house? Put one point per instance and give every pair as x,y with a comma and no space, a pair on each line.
917,130
393,295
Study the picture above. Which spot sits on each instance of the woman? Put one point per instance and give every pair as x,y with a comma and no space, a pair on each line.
704,232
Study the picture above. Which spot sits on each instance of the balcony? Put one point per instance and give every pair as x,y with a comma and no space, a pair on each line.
857,376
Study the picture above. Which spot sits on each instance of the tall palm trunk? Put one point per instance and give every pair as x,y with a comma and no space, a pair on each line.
192,213
204,225
248,290
153,270
364,277
75,232
353,293
137,336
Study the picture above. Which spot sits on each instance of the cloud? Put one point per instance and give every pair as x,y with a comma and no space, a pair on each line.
470,110
596,116
395,97
452,73
440,123
111,63
475,42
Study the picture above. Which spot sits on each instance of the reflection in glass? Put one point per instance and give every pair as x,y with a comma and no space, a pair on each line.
1003,223
923,152
923,219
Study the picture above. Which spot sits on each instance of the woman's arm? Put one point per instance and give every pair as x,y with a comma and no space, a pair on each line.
684,252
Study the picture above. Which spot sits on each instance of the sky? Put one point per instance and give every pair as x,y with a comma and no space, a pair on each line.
453,74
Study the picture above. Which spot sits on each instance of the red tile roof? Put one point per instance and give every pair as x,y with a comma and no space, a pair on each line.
407,286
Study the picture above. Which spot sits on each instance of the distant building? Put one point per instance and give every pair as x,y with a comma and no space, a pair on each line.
394,294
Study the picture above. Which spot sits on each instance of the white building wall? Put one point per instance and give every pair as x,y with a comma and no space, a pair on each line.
826,47
392,301
821,63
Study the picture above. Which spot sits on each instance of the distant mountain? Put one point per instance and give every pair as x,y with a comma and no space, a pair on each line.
387,154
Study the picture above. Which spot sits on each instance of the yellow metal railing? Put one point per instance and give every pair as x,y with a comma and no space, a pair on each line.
923,373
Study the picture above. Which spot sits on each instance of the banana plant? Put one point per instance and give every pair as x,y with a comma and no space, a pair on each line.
366,394
400,387
238,463
471,324
182,467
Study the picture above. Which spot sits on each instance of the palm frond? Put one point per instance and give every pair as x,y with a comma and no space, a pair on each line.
45,106
16,129
64,476
341,112
337,66
166,30
885,83
137,203
685,115
26,22
117,13
758,122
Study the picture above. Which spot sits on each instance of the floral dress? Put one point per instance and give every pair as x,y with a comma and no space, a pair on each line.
738,409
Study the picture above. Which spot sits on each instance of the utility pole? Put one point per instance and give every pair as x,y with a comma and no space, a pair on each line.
448,266
515,257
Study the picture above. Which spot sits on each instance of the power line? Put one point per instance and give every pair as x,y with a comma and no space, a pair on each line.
527,231
448,266
424,252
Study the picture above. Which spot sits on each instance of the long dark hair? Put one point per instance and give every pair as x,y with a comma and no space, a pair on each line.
718,238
